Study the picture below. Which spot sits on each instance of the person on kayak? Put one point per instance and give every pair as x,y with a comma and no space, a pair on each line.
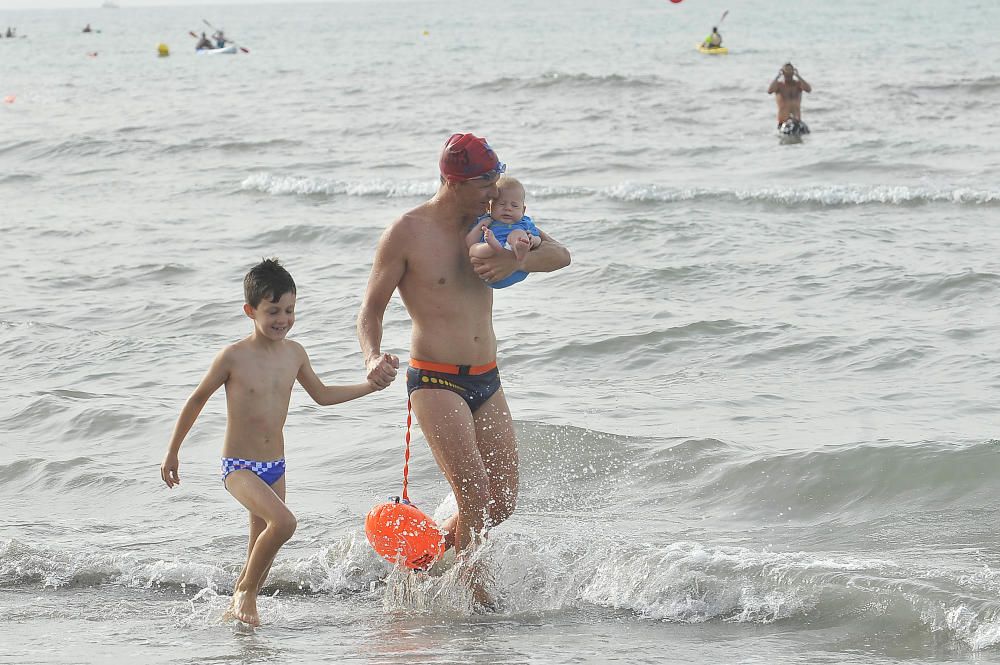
787,88
204,43
714,40
220,38
88,28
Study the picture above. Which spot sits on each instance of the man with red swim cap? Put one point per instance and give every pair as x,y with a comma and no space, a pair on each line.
466,156
452,379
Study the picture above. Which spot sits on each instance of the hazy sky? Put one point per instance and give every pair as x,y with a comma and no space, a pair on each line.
86,4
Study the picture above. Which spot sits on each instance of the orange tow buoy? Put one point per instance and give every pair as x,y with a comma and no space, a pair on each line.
398,530
402,533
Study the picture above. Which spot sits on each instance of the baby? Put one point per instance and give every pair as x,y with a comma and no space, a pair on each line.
505,227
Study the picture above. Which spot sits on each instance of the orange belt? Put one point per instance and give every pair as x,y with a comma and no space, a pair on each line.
445,368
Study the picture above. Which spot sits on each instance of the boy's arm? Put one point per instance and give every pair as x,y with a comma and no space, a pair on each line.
216,376
325,395
387,271
550,255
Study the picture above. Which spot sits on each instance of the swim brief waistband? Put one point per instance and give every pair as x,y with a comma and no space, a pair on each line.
471,370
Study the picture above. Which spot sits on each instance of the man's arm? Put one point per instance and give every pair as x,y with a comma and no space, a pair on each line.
773,88
550,255
802,82
387,271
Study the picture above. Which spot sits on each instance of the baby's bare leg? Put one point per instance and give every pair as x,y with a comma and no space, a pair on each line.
265,505
520,243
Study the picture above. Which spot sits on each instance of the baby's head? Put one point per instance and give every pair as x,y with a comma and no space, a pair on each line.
269,281
508,207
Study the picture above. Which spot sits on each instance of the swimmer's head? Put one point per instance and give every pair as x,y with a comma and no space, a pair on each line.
467,157
788,69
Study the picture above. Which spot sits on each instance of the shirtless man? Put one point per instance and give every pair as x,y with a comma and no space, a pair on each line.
452,379
788,93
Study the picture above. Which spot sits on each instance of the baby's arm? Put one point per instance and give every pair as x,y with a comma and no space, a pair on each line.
216,376
325,395
475,234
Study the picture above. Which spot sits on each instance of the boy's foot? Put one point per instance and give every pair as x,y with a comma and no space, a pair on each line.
243,608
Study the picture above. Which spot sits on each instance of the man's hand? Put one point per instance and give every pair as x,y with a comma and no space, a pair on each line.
381,370
494,268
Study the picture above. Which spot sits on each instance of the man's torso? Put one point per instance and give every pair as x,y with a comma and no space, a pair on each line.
789,99
451,307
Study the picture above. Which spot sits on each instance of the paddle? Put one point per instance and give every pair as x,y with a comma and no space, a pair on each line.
245,50
724,15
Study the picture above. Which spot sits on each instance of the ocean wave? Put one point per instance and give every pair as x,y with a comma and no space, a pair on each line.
817,195
588,82
681,582
323,188
18,178
630,192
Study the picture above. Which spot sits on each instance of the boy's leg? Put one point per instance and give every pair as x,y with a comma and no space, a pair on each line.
257,525
263,502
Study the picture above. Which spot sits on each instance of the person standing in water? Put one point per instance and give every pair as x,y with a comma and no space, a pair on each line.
787,88
453,380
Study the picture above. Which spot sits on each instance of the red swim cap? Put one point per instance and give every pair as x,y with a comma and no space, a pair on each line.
466,156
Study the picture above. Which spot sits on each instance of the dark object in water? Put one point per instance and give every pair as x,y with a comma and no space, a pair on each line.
793,127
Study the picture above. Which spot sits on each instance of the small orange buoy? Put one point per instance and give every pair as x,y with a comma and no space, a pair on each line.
402,533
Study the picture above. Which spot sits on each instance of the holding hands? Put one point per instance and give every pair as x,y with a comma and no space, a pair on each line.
382,370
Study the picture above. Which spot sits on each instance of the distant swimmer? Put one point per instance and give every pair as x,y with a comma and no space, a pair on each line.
204,43
88,28
714,40
787,88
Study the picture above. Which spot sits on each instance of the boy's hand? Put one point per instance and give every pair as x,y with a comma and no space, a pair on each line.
381,370
168,471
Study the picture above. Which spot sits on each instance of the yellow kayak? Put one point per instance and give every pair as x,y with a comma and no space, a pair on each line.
721,50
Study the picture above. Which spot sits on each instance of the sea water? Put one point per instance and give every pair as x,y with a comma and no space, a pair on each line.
757,414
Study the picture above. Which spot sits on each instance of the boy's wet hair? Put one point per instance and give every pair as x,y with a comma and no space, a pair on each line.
268,279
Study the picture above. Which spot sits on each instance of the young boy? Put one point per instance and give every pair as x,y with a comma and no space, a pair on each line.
258,373
505,227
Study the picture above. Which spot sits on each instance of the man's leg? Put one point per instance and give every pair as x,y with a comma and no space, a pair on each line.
450,431
498,448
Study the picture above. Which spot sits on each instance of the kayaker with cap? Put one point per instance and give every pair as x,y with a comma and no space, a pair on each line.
787,88
204,43
220,39
714,40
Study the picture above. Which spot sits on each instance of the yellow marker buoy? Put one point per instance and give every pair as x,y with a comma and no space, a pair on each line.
162,50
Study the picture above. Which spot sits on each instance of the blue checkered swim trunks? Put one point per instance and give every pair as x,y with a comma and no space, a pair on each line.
269,472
